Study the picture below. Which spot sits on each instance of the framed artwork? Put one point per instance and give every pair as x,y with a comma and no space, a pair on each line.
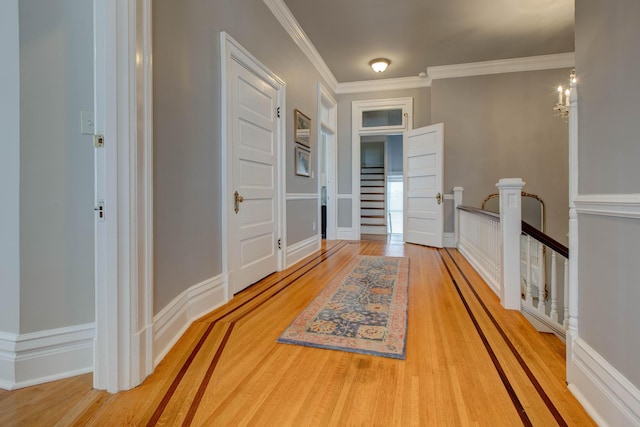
302,162
302,129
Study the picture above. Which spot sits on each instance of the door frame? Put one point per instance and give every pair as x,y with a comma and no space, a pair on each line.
231,50
357,130
327,103
123,344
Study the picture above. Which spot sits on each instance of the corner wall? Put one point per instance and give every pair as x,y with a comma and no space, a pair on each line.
603,370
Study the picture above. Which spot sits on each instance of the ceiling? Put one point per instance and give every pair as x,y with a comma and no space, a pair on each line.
416,34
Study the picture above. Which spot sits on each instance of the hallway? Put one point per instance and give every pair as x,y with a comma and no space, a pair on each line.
469,362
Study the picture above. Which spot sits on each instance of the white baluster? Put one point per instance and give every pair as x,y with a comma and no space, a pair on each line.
565,286
542,305
529,292
554,289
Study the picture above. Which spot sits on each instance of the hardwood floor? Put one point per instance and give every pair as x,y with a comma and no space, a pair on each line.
469,362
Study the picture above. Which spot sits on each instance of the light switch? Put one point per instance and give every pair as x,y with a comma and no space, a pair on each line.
87,126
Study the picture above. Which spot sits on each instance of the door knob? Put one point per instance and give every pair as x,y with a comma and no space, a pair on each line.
439,198
237,199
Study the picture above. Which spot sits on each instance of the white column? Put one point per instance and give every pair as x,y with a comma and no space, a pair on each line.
511,228
572,331
457,201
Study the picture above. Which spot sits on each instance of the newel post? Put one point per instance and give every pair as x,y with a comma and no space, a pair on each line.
510,230
457,201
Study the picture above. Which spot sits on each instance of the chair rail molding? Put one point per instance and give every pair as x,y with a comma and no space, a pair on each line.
615,205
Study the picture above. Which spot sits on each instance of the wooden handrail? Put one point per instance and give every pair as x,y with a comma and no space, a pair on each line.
545,239
526,229
479,212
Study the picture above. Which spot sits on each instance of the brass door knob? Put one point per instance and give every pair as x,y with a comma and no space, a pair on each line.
237,199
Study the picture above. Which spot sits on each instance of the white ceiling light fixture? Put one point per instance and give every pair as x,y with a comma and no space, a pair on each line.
379,64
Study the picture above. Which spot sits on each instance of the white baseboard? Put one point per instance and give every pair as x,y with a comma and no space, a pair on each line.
449,239
173,320
607,395
301,250
345,233
43,356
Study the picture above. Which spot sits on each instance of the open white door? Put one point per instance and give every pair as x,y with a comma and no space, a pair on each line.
255,212
423,200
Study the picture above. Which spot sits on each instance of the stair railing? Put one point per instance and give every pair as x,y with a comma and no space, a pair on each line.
527,269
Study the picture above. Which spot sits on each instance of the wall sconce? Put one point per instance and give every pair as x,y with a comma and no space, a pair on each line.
564,97
379,64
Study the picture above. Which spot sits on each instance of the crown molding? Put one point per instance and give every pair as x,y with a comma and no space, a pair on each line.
382,84
530,63
291,26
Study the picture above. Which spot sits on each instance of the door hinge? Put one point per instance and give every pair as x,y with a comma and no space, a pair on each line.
279,243
98,141
99,208
278,112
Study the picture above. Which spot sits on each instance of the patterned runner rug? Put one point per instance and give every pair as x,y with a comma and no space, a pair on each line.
362,310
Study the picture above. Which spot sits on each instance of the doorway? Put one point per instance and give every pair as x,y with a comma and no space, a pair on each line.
253,143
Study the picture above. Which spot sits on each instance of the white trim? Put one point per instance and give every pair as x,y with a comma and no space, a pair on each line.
231,50
382,85
303,196
43,356
124,247
449,239
174,319
298,251
326,102
346,233
543,321
293,28
531,63
344,196
357,107
597,384
616,205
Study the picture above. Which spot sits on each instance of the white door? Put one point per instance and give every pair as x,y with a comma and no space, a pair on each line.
423,200
253,217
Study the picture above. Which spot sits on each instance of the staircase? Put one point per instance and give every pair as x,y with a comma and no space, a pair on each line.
372,200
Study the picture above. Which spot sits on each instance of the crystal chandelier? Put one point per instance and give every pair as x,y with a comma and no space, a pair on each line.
564,97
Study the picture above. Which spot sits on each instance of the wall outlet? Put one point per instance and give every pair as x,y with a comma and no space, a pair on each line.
314,226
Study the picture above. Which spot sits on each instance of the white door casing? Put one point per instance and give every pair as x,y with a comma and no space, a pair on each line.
328,120
253,139
123,350
423,187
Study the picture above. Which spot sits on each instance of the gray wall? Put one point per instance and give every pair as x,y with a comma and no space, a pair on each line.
56,164
10,167
607,65
187,192
421,117
503,126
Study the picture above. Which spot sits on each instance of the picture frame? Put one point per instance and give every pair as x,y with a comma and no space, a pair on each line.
303,164
302,128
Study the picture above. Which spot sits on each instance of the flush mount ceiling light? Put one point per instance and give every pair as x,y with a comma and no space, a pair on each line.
379,64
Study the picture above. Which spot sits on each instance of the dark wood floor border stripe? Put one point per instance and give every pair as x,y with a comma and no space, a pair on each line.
176,381
207,377
496,363
323,256
536,384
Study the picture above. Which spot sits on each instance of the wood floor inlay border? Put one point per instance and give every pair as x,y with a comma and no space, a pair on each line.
312,263
496,363
536,384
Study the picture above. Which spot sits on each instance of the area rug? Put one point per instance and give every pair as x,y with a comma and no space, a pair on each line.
362,310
